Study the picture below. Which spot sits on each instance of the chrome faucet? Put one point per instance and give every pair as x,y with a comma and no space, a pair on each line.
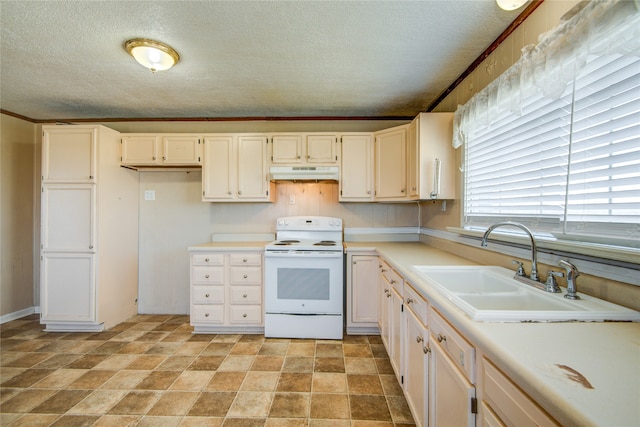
572,273
534,250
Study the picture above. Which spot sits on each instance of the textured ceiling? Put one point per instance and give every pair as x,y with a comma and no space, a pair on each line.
65,59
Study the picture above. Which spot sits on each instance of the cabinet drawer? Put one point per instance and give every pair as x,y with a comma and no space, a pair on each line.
510,403
246,295
392,278
208,295
207,313
245,276
208,275
246,314
253,259
455,345
416,303
208,259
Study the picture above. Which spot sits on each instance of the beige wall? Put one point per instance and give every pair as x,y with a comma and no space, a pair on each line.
17,210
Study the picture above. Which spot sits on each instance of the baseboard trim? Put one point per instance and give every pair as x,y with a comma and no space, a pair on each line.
19,314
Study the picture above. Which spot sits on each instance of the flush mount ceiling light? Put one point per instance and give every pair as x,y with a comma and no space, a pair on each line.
152,54
510,4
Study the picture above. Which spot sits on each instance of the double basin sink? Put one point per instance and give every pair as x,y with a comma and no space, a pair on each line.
491,294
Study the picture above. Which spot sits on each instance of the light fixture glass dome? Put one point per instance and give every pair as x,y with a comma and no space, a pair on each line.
510,4
152,54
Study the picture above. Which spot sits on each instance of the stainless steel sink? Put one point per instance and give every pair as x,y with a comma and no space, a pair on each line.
491,294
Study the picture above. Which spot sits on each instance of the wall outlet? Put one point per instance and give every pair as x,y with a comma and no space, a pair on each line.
292,199
149,194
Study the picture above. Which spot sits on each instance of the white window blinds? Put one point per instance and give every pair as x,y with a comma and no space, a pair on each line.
568,164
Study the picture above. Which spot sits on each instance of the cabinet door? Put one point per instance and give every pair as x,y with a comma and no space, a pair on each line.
286,149
356,173
322,149
69,154
437,158
68,217
416,381
252,168
385,302
364,285
140,150
391,161
396,330
181,150
413,162
67,287
217,168
451,396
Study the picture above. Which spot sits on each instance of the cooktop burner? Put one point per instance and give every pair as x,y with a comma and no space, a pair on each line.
325,243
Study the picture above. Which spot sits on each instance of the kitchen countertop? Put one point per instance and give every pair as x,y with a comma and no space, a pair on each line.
229,246
606,354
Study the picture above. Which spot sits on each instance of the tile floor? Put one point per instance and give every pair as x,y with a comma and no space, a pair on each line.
152,371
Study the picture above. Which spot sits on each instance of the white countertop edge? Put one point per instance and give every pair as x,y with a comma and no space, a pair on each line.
237,246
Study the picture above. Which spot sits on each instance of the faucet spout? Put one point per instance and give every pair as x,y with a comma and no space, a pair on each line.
534,249
572,274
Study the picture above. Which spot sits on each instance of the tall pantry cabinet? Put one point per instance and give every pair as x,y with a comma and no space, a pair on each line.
89,230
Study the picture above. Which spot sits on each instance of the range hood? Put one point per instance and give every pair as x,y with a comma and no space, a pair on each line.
304,173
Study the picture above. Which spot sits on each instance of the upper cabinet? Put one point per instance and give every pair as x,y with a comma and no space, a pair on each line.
163,150
235,169
298,148
69,154
391,164
431,158
356,169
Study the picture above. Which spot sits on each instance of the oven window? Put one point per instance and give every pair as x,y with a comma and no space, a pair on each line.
303,283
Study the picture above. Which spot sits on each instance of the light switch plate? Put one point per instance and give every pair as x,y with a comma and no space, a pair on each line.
149,194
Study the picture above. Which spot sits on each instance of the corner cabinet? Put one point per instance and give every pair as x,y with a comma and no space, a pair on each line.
356,171
226,292
89,231
391,164
235,169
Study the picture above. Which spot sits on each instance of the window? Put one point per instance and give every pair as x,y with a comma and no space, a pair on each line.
555,142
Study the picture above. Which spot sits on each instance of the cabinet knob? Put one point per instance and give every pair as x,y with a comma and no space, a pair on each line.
426,350
441,338
229,192
206,260
393,282
239,192
244,260
90,176
206,295
403,190
244,314
245,276
153,158
206,276
386,291
90,246
409,300
389,295
206,315
244,295
419,339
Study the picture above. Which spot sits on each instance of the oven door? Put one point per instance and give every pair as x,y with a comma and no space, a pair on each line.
303,282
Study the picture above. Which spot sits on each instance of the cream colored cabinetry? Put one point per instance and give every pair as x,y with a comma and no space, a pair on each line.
356,171
293,149
235,169
452,394
362,294
168,150
504,403
89,230
392,285
390,164
416,339
431,158
226,292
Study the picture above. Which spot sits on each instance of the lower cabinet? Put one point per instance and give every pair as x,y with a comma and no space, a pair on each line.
362,294
226,292
416,380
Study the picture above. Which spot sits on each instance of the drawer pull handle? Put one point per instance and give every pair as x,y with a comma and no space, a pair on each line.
386,291
419,339
393,281
206,295
244,295
426,350
244,314
206,315
441,338
206,260
409,300
206,276
388,294
245,276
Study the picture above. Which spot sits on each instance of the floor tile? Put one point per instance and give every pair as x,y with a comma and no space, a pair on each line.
360,365
328,382
298,382
61,402
158,380
217,349
212,404
267,363
117,421
329,406
98,402
290,405
364,384
135,403
260,381
174,403
26,400
35,420
329,350
367,407
298,364
234,363
60,378
192,380
251,404
27,378
87,361
91,379
124,380
329,364
146,362
226,381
